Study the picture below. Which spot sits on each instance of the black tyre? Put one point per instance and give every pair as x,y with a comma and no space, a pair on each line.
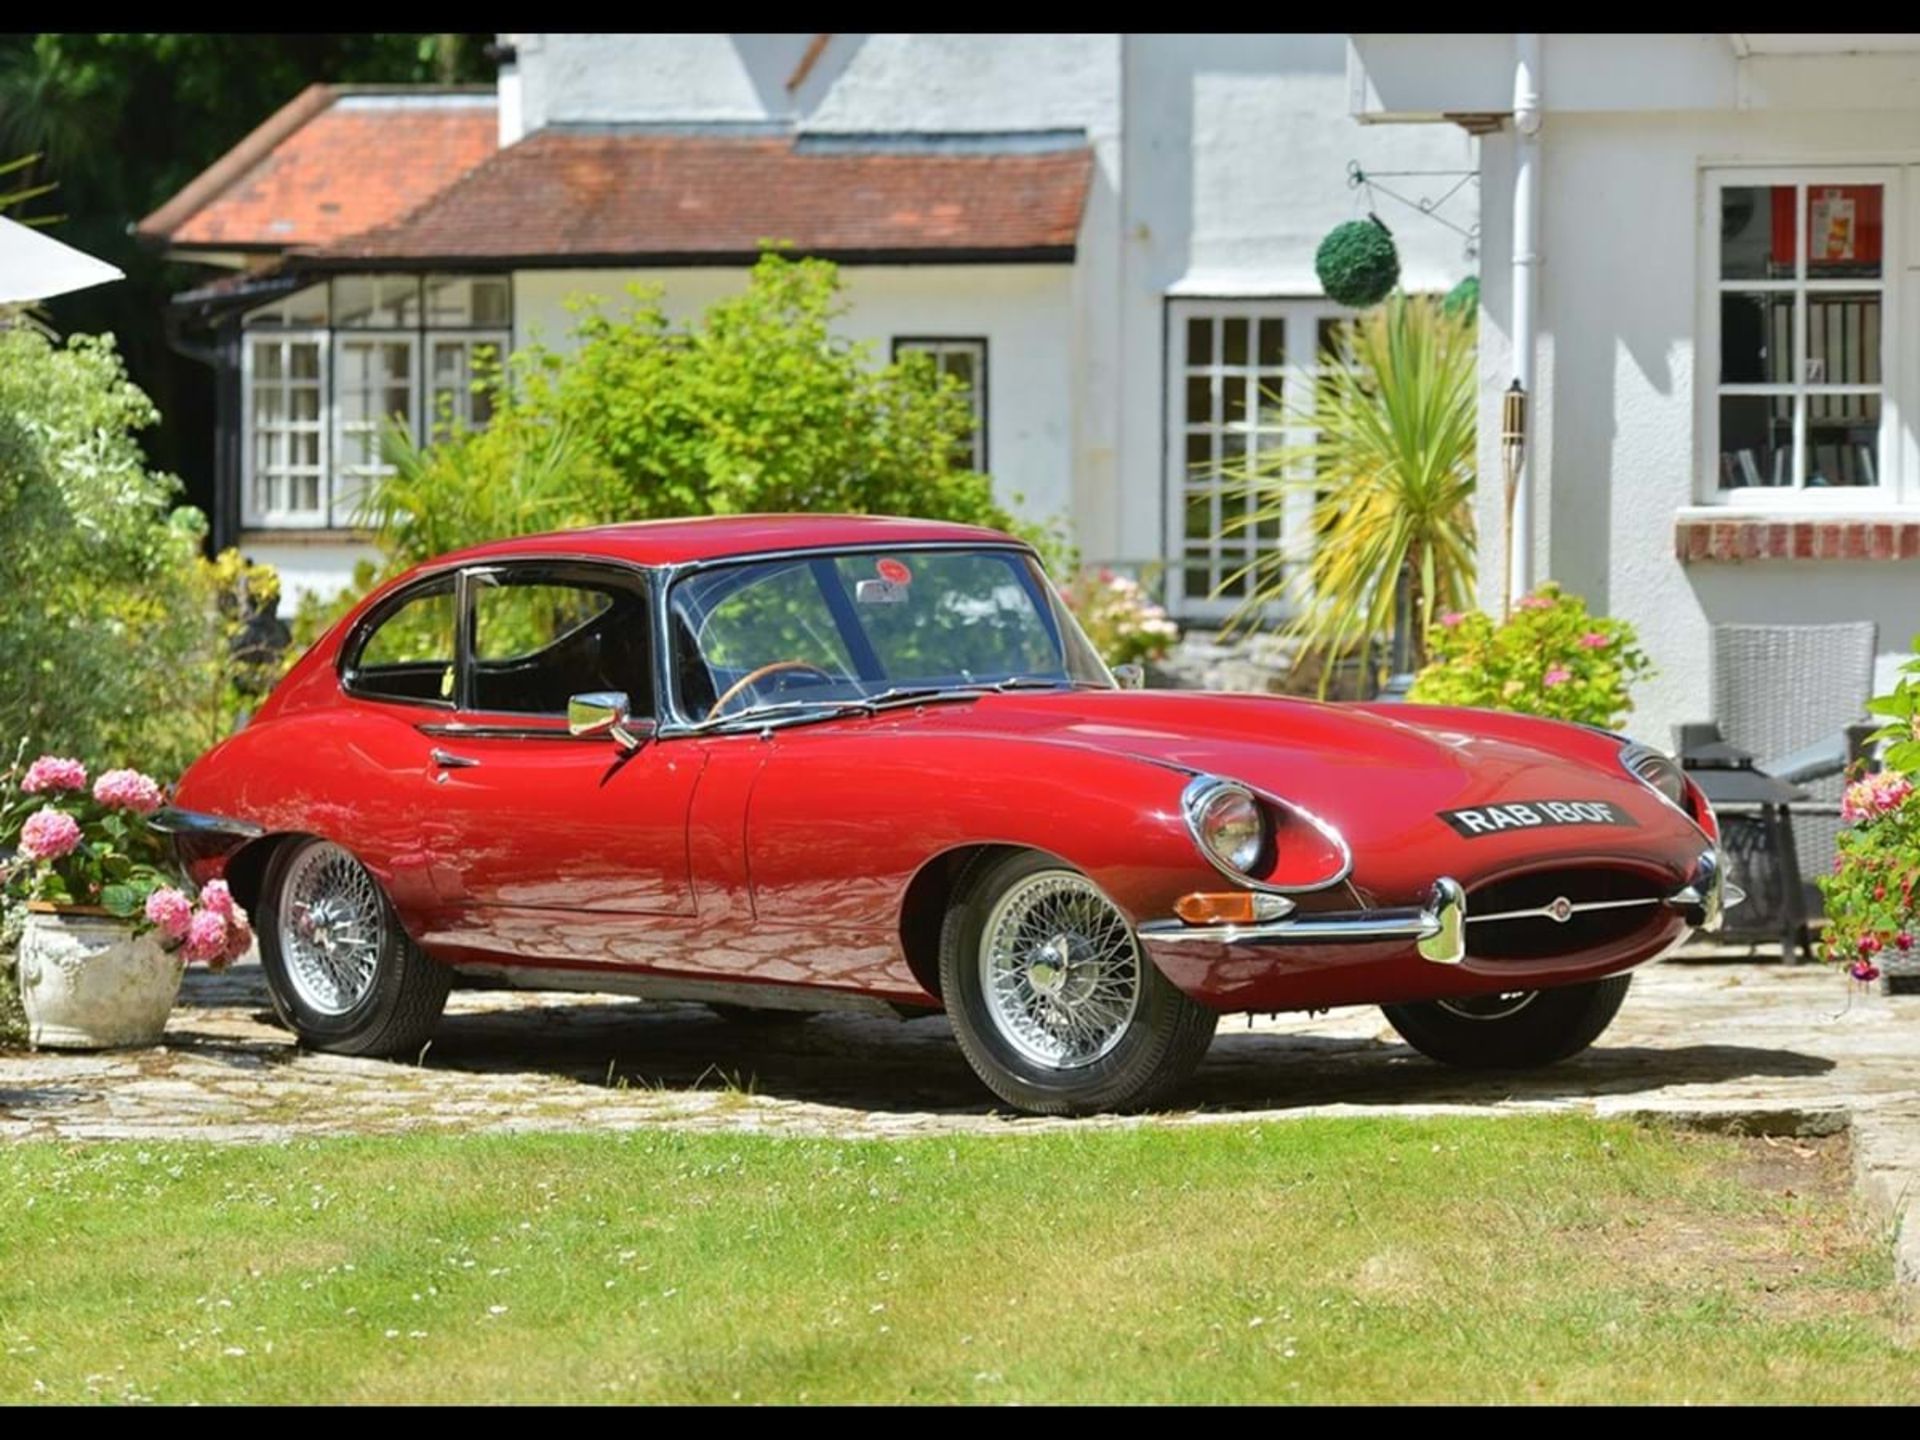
1055,1005
1515,1031
343,975
756,1017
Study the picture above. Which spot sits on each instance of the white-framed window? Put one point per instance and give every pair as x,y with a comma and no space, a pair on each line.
284,387
376,379
325,369
965,359
1799,367
1236,371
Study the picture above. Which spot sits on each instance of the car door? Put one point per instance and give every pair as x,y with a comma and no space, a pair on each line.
535,825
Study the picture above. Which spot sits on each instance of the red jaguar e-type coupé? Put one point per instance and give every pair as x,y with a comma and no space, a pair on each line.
792,763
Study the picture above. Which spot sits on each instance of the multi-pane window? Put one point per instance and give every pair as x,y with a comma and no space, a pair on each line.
1238,373
1799,347
286,386
330,367
966,362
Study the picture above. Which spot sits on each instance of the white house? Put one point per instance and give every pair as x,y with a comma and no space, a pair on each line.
1723,243
1109,237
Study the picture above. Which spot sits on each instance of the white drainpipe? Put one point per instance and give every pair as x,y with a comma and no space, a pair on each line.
1526,265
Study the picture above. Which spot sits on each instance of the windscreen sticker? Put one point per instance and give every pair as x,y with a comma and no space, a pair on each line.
892,571
1534,815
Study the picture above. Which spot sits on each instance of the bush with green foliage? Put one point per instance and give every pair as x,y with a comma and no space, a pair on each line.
1550,657
757,406
109,625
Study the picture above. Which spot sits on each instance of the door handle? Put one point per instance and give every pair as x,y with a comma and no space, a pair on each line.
447,760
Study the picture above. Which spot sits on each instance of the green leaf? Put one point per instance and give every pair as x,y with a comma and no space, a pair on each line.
121,900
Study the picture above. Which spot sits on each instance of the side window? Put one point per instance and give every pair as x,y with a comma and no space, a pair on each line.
410,655
540,637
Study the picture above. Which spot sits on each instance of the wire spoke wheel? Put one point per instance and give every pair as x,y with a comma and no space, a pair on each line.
1060,970
1489,1007
332,928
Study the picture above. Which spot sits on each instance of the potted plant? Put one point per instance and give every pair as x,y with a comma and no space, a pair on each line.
1121,619
1871,919
105,936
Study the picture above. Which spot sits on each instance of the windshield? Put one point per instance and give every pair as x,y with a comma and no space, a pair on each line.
870,626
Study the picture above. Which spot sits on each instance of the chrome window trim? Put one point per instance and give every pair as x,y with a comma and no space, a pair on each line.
1202,785
673,718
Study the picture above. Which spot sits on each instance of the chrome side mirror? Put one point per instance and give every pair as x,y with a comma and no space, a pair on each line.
1130,677
606,712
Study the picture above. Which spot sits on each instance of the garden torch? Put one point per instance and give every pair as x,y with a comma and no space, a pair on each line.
1513,442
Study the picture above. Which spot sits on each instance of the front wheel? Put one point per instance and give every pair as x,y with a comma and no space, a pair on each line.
342,973
1054,1003
1517,1030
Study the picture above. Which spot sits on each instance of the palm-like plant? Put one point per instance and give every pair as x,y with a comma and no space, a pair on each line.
1391,469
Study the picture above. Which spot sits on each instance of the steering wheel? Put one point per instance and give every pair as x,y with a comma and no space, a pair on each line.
749,680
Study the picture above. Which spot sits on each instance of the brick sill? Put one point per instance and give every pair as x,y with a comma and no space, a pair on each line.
1733,539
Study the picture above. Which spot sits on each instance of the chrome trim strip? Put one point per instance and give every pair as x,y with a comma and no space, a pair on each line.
1553,911
1438,927
169,820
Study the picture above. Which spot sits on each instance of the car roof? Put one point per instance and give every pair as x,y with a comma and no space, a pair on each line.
719,537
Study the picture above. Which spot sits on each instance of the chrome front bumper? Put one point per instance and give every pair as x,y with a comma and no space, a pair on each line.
1438,925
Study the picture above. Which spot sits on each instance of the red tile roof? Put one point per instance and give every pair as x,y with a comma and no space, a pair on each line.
333,161
594,196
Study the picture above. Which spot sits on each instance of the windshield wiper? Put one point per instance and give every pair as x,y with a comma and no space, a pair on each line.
865,704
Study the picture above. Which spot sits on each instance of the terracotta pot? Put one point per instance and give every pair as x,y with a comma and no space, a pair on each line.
88,982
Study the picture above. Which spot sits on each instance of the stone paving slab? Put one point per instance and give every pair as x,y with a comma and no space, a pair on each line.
1750,1046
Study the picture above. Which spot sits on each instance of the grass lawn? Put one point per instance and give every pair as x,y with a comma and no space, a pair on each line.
1511,1259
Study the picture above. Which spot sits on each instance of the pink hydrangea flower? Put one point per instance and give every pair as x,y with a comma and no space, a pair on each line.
50,773
215,896
1535,602
1556,675
1873,795
239,937
49,834
128,790
1594,640
1451,619
207,936
170,912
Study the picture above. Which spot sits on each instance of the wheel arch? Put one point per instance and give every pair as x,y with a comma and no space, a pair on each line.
929,895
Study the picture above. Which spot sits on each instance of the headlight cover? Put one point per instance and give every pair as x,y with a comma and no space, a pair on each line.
1657,771
1228,824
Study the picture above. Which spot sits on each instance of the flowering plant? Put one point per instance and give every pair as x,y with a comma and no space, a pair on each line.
74,844
1550,657
1120,618
1869,895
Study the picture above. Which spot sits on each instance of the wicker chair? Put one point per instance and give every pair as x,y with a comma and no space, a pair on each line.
1794,697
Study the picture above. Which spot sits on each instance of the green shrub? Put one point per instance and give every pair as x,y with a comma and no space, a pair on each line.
1551,657
758,406
109,628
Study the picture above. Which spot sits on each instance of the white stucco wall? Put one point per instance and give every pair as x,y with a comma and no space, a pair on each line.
1616,449
1235,167
1024,311
307,567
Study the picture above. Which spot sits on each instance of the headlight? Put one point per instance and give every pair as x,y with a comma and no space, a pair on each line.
1657,772
1227,823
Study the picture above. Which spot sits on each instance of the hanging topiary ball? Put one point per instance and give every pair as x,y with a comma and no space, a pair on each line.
1463,298
1357,263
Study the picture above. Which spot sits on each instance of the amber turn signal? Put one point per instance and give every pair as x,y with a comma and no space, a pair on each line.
1229,907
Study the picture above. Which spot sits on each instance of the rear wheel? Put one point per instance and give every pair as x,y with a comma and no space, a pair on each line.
1054,1003
341,971
1516,1030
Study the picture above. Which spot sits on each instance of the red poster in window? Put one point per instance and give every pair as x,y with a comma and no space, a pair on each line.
1843,224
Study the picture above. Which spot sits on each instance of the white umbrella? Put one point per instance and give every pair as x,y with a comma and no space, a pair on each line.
34,266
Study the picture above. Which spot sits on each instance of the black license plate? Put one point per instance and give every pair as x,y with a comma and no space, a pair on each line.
1515,815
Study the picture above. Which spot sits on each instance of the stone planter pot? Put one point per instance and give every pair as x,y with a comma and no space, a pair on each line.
88,982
